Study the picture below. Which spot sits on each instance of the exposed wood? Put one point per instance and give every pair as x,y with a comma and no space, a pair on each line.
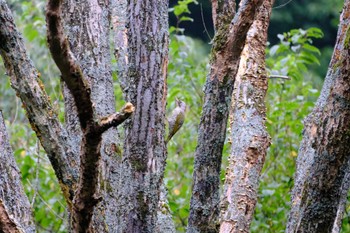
248,134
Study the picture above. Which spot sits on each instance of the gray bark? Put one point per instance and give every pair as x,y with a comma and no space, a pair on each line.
143,163
92,125
249,137
231,30
323,159
87,26
120,36
25,79
15,210
120,39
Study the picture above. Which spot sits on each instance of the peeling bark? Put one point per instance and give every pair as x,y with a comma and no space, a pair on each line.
15,210
323,159
249,137
231,30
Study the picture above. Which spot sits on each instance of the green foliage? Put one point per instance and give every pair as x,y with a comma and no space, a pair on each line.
188,68
180,11
294,52
288,103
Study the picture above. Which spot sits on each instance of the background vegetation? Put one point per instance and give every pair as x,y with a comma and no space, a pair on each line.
292,53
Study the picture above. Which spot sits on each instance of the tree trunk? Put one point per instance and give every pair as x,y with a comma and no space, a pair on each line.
142,168
231,29
323,160
249,137
15,211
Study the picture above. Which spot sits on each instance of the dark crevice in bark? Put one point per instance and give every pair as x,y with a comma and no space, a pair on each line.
144,154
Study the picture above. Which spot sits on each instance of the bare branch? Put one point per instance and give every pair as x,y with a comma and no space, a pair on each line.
86,195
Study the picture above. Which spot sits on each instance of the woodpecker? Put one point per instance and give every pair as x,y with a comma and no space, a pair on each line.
176,119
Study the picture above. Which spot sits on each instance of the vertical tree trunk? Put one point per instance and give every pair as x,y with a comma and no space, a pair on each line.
119,19
142,168
231,30
249,137
15,210
323,160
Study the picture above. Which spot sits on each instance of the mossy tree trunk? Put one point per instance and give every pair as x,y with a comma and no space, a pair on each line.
15,210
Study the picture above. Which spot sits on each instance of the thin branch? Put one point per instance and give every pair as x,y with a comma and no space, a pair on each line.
279,76
205,27
86,194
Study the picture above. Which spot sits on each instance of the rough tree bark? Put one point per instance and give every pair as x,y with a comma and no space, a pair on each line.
120,36
231,29
249,137
25,79
87,25
15,210
143,163
92,124
53,136
323,161
130,182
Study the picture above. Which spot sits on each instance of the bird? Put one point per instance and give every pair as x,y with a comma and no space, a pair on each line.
176,119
